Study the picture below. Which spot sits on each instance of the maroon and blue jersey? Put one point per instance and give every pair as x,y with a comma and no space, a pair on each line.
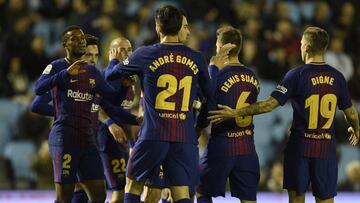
314,91
170,76
236,87
73,98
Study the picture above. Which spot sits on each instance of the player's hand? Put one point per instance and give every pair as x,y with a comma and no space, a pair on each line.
354,136
224,112
77,67
222,57
166,194
118,133
114,54
140,119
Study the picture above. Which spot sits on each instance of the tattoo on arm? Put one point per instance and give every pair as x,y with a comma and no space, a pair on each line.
351,116
259,107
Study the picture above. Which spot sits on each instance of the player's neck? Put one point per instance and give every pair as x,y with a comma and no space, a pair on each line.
169,39
71,59
317,59
234,61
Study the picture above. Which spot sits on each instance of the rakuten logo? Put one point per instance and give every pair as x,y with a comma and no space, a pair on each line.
80,96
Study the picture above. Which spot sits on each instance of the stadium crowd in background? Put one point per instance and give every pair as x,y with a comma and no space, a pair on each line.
30,39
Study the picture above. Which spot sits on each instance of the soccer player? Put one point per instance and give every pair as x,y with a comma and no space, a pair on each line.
72,142
315,89
113,155
170,73
230,152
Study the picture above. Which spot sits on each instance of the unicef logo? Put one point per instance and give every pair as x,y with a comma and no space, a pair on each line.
182,116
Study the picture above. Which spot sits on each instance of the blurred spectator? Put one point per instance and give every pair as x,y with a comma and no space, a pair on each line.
18,80
275,181
36,60
354,85
41,164
337,58
352,182
322,16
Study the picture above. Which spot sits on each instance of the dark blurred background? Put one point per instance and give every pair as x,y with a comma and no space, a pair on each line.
30,39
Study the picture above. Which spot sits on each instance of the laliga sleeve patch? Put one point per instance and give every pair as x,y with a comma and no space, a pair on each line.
126,61
47,69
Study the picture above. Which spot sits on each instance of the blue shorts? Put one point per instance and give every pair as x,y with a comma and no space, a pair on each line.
179,161
242,170
158,181
300,171
73,164
114,162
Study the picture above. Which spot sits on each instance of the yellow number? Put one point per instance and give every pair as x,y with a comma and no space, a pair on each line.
243,121
170,83
185,84
66,161
117,168
313,103
123,165
327,109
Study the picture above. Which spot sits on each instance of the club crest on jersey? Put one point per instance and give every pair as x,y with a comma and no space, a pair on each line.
92,82
47,70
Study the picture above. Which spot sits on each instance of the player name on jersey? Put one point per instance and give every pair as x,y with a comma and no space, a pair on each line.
171,58
239,78
322,80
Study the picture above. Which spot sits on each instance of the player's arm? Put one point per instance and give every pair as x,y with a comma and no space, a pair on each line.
118,114
226,112
352,118
130,66
41,105
52,77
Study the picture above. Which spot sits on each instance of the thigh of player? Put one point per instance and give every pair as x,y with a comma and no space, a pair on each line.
145,159
214,171
114,163
65,164
244,177
181,165
323,175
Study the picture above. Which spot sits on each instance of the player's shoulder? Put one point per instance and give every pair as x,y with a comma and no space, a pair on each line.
57,65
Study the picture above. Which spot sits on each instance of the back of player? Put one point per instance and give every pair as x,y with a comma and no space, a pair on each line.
231,151
315,89
170,74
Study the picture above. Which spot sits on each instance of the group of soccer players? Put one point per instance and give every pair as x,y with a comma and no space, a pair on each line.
172,77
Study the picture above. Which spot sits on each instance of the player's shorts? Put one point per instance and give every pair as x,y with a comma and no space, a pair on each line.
179,161
73,164
114,161
243,172
300,171
158,181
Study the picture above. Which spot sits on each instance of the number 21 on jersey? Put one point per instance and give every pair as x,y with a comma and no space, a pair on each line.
171,84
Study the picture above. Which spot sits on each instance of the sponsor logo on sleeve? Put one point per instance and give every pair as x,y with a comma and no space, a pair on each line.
47,70
281,89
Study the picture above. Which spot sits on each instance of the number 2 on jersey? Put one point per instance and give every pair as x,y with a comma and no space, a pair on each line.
170,81
327,106
243,121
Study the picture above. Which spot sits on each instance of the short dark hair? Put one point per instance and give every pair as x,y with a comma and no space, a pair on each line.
64,35
169,19
229,34
317,38
91,40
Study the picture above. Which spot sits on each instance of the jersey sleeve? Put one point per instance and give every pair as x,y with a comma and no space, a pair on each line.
344,100
130,66
103,87
41,105
50,78
213,70
118,114
286,88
